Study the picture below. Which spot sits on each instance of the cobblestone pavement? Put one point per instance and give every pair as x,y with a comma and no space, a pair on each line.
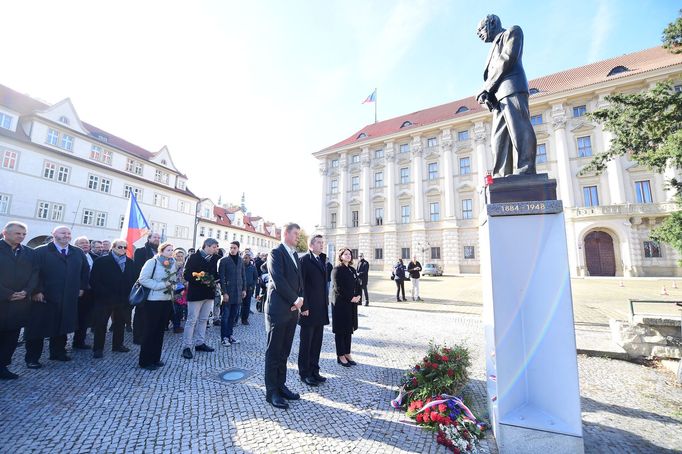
110,405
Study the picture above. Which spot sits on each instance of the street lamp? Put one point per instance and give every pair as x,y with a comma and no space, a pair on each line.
423,248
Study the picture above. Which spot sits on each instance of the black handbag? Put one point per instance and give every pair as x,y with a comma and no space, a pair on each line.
139,293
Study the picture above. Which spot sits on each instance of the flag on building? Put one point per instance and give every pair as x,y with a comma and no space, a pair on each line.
371,98
135,225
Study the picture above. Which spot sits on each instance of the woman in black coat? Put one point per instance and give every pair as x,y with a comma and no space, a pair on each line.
346,297
399,278
111,279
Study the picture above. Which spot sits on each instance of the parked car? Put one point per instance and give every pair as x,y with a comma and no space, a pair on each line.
432,269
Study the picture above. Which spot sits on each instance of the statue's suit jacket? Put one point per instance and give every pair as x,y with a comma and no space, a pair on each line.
504,74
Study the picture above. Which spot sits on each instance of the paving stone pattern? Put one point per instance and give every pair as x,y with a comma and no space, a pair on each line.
110,405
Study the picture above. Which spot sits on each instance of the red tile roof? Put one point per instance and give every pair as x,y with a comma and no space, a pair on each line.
636,63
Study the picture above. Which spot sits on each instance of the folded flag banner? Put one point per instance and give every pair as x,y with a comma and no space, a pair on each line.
371,98
135,225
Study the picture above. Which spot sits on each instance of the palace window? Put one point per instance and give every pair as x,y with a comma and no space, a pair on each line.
431,142
52,136
462,136
378,216
536,119
433,170
4,203
379,179
467,209
334,186
469,252
405,214
134,166
378,254
161,200
591,196
88,217
652,249
332,220
355,183
67,142
127,190
435,253
378,153
541,153
101,219
584,147
404,147
465,166
643,191
161,177
405,253
335,163
579,111
404,175
355,159
434,211
355,215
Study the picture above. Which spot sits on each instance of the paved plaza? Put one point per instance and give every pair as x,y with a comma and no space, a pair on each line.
110,405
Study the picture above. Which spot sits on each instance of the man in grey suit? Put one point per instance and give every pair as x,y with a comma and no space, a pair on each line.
505,93
284,301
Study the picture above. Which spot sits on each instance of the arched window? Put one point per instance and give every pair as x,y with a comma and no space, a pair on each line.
462,109
64,120
617,70
406,123
362,135
533,91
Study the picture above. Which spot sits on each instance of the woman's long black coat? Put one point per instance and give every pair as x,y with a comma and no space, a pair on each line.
345,286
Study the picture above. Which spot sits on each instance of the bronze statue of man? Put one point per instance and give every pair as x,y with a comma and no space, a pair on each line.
505,93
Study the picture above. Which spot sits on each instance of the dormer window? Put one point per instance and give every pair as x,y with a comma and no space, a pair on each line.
462,109
534,91
164,162
5,121
181,184
406,123
102,137
617,70
64,120
362,135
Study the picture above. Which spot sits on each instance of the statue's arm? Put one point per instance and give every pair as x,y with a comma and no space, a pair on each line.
510,53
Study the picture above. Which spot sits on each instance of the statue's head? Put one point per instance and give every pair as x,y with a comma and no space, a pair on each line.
489,28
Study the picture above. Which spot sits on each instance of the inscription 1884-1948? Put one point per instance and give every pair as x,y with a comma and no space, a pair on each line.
524,208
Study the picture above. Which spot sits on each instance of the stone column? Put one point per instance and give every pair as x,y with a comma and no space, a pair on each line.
389,175
481,155
343,199
366,205
323,196
565,180
614,173
449,189
418,185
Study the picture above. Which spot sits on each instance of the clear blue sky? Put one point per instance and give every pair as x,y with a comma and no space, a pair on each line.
243,92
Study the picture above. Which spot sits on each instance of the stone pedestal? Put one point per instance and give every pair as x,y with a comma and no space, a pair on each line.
532,373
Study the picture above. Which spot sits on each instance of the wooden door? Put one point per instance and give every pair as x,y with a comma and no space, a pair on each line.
599,254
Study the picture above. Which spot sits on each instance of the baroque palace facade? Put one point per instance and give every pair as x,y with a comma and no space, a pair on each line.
413,185
58,170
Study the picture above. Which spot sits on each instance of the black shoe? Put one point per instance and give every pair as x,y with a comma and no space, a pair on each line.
351,362
63,357
419,299
149,367
319,378
346,364
216,322
245,322
33,365
120,349
366,303
310,381
203,348
404,299
278,401
288,394
397,299
187,353
97,354
5,374
159,364
81,346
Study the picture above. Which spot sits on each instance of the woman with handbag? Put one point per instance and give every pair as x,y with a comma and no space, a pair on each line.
345,299
399,277
159,275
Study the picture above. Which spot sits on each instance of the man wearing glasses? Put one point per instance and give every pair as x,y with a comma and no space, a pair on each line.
111,279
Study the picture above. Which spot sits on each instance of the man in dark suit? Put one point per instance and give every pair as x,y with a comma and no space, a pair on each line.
314,312
141,256
63,277
284,301
111,279
505,93
233,288
18,279
363,274
85,301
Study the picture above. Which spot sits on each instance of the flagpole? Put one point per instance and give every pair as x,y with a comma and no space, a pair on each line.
376,101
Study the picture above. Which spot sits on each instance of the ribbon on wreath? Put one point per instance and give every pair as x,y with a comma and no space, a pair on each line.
457,401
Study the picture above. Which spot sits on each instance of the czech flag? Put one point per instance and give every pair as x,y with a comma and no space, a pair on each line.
135,225
371,98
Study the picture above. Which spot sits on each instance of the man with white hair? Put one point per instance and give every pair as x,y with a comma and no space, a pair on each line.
63,277
18,279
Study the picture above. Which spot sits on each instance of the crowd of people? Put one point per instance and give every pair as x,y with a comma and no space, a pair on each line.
61,288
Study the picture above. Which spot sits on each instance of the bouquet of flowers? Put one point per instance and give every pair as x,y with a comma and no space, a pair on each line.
169,278
205,278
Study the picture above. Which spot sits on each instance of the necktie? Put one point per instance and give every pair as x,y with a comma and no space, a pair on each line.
64,252
17,251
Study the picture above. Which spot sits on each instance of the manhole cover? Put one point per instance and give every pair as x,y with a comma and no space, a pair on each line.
234,375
